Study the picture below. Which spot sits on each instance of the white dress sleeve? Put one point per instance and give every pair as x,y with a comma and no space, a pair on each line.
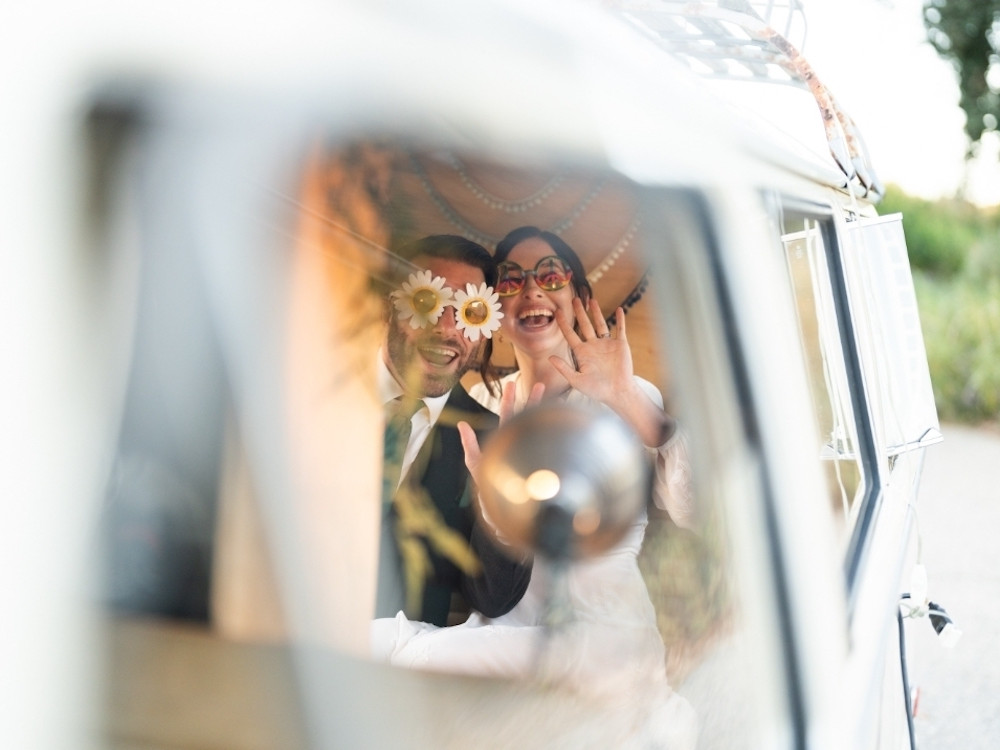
672,485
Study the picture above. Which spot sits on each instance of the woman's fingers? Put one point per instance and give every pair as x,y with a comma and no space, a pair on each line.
565,369
620,323
583,322
470,443
590,322
537,392
600,325
566,326
507,397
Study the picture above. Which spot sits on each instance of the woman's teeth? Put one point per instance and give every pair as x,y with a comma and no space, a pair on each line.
535,318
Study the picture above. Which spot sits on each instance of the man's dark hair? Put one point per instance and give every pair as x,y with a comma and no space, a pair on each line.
453,247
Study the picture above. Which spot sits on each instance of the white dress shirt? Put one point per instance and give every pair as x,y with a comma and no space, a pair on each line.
422,421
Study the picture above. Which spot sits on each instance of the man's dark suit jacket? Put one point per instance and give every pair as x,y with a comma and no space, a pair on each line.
502,581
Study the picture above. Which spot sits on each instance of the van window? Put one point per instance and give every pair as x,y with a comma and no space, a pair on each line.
891,344
287,556
807,252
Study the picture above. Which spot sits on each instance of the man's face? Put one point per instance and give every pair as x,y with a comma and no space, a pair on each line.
430,361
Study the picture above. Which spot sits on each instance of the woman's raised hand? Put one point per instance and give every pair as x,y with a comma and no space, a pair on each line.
603,359
604,373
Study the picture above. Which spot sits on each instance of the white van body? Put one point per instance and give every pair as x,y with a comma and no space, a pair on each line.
770,302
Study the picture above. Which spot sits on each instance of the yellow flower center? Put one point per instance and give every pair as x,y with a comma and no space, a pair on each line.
424,301
476,312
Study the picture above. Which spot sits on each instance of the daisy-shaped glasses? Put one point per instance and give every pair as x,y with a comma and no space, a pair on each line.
422,300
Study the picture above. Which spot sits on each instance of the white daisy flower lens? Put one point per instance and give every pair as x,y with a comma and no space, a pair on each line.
422,299
478,311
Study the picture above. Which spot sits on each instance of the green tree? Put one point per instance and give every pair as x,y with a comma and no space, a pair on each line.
967,33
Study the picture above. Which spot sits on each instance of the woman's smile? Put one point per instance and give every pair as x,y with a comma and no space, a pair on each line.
535,318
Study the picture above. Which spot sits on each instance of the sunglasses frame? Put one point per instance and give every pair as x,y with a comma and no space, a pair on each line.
568,272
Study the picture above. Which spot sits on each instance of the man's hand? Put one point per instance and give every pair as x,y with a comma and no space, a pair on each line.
473,455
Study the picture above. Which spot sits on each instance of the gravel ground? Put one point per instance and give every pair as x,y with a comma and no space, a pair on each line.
958,706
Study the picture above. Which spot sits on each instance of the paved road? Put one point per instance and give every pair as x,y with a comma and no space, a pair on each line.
959,517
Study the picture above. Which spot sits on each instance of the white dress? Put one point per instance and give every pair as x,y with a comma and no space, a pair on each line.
609,649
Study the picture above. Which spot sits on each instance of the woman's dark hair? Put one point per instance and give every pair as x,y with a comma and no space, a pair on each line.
580,284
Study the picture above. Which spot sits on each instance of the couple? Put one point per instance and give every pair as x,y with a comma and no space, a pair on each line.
542,303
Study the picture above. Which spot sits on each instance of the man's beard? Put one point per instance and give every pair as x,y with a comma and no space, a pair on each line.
406,361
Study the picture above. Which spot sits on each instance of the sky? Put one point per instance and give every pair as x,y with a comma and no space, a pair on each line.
874,57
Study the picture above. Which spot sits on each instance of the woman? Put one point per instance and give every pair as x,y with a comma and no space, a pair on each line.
544,291
564,348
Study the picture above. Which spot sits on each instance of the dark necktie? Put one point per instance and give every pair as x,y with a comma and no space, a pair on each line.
398,426
390,594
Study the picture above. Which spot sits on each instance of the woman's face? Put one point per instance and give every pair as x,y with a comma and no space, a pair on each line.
529,315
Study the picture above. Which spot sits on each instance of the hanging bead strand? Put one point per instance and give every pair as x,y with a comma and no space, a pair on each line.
611,258
497,203
467,230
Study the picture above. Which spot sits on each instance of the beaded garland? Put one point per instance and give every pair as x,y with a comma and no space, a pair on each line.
611,258
501,204
482,238
525,204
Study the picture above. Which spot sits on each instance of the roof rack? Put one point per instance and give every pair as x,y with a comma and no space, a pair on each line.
739,40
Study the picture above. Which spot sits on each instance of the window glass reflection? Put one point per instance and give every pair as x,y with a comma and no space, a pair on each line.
806,255
392,320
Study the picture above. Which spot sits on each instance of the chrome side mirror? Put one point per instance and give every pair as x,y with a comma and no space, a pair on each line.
564,481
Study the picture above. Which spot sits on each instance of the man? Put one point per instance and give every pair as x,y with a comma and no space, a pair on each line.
432,545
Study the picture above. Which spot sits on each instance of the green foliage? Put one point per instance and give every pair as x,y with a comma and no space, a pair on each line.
962,32
955,253
685,575
961,324
938,234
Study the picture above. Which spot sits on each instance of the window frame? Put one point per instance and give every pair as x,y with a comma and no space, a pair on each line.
826,216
